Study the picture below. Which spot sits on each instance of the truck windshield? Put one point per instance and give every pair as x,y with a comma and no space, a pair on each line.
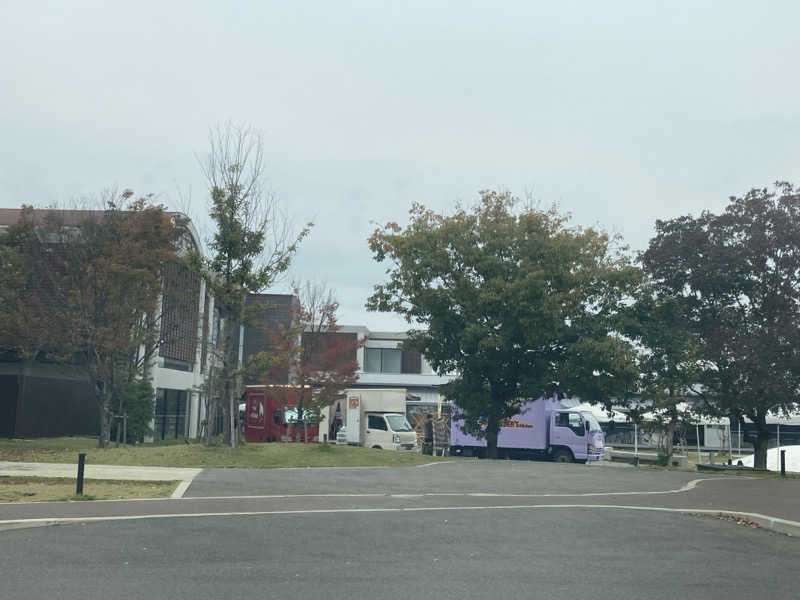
398,423
592,421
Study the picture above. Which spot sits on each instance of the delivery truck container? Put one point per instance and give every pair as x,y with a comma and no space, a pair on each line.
376,418
270,415
543,429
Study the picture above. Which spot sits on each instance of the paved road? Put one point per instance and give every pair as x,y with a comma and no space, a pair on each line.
507,477
470,529
528,553
470,485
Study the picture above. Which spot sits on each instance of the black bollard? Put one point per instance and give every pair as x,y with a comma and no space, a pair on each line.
79,484
783,463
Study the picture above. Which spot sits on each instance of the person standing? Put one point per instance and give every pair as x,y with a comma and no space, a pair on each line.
427,444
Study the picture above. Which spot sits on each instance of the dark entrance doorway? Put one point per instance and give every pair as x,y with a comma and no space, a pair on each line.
170,418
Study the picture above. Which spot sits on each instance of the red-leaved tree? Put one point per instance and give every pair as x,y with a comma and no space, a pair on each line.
320,359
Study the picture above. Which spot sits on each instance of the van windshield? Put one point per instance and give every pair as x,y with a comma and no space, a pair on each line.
398,423
594,425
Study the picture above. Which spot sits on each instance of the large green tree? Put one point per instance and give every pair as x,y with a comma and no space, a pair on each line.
668,360
513,302
737,277
250,248
82,288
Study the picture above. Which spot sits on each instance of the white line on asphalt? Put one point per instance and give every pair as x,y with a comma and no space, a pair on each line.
685,488
782,525
183,486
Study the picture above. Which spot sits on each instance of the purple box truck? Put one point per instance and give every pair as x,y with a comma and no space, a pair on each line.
543,429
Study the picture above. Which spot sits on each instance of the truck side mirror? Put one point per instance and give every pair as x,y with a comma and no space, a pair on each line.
586,424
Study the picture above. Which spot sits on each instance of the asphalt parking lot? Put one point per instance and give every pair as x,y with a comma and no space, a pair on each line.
468,529
461,476
528,553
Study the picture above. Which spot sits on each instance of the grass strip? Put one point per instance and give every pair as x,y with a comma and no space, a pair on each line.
44,489
65,450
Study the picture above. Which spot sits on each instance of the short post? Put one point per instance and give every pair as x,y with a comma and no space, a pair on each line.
783,463
79,483
697,435
324,438
125,429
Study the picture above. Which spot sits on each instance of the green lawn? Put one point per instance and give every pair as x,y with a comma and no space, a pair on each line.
44,489
65,450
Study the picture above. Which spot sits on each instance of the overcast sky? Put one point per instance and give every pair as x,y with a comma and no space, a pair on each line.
621,112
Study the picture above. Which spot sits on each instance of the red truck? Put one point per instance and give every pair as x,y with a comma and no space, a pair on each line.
270,415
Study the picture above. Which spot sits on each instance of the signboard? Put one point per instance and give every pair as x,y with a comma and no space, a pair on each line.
353,420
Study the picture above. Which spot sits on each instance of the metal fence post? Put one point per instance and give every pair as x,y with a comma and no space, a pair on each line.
79,483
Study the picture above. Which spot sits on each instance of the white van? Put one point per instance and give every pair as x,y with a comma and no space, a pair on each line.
390,431
372,417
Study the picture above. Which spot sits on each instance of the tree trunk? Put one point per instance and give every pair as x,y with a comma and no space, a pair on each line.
492,433
760,444
119,421
210,402
668,448
102,439
305,431
226,415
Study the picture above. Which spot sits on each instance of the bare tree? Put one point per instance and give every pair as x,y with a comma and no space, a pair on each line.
251,247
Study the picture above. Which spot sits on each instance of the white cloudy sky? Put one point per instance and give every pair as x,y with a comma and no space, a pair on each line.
622,112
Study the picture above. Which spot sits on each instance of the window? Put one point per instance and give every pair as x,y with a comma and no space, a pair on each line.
572,421
176,365
391,360
383,360
373,360
376,422
398,423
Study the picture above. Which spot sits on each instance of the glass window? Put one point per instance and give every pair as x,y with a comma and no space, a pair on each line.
376,422
594,425
391,360
398,423
576,424
372,360
290,415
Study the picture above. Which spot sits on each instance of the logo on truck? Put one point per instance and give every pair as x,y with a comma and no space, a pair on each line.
512,423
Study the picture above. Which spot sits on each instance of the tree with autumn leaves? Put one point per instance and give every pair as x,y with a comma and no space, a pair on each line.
319,358
83,287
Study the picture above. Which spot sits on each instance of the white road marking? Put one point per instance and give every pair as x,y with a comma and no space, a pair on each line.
784,525
182,487
685,488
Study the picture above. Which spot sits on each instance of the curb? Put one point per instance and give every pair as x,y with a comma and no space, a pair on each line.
774,524
783,526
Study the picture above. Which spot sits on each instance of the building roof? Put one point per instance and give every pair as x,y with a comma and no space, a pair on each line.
11,216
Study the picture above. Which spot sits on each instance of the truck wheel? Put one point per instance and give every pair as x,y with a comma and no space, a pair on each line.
562,455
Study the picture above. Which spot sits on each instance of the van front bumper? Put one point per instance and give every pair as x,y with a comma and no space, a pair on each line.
406,447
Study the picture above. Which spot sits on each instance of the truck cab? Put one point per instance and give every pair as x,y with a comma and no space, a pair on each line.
575,435
389,431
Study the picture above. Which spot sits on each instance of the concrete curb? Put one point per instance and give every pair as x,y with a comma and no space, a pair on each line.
774,524
783,526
